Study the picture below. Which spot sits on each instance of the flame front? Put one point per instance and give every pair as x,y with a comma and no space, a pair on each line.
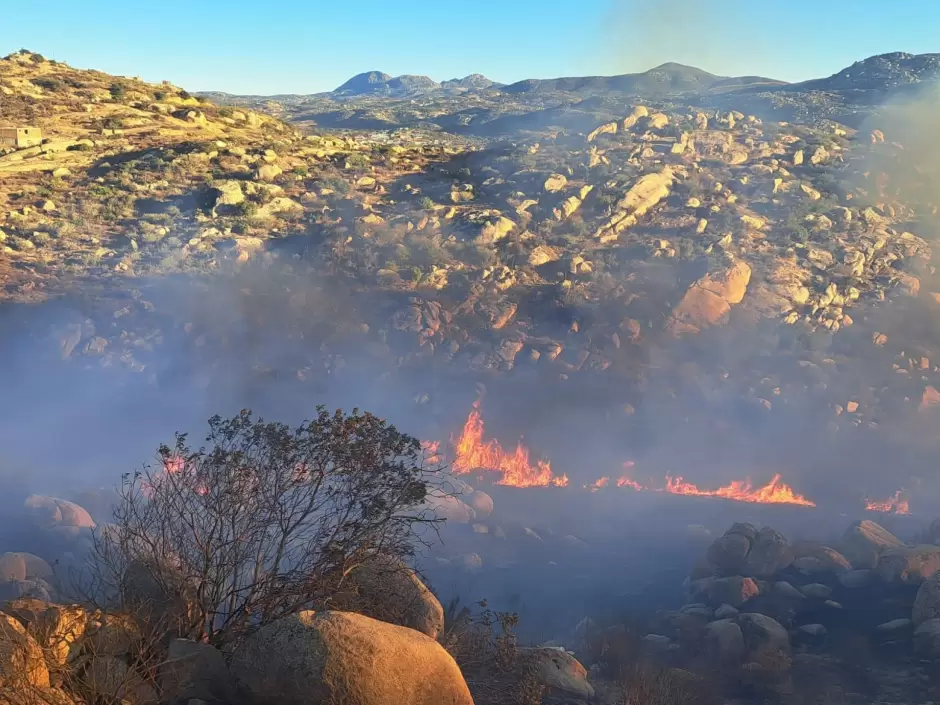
472,452
625,480
774,492
896,504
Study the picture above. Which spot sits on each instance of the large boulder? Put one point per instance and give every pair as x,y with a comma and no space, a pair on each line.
21,660
194,671
113,635
386,589
36,567
812,559
927,602
865,541
480,502
729,552
558,670
762,633
770,554
724,643
910,565
50,512
708,301
12,567
856,579
450,508
345,658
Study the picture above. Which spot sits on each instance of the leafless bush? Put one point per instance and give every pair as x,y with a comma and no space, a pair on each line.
484,645
266,521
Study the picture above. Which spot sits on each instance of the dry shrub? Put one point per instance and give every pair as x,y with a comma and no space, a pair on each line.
637,678
646,683
484,645
766,676
266,521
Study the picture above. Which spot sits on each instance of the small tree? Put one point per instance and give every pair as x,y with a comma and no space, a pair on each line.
117,91
266,521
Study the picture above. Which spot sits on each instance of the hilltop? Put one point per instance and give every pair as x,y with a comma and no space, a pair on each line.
664,80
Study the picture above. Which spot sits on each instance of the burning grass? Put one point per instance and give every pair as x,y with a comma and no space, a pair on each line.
473,453
896,504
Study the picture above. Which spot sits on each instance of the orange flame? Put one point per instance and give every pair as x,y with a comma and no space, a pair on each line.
626,480
895,504
774,492
474,453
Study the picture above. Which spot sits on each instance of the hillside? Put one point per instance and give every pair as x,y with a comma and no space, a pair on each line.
877,73
596,263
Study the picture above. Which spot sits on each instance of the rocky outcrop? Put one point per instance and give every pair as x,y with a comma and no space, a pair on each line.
194,671
709,300
643,195
55,628
347,658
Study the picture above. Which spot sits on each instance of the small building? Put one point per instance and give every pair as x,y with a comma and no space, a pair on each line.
20,137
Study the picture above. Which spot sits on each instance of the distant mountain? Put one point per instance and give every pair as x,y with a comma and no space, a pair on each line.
376,100
882,72
381,84
475,81
369,82
668,79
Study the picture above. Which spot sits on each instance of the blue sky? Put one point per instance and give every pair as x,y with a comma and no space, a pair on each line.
302,46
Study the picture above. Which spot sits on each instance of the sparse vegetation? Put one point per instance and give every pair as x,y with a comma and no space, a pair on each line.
263,522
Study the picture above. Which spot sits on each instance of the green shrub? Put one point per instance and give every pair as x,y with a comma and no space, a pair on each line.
49,84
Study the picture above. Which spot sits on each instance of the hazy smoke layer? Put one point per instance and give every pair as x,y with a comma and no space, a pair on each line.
641,34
